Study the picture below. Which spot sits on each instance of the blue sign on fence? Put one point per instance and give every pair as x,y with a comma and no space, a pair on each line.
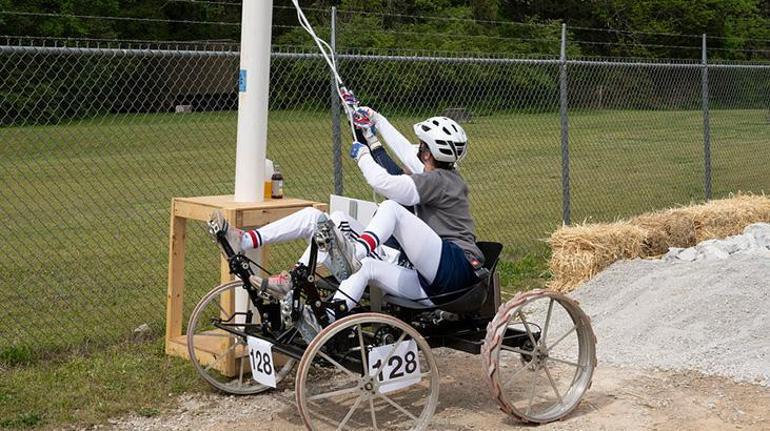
242,81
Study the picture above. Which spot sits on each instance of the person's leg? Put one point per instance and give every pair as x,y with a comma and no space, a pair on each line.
351,228
418,241
299,225
393,279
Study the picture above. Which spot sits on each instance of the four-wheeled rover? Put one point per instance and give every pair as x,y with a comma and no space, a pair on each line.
375,367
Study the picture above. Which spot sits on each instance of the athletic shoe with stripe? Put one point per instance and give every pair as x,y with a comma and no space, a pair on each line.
218,223
341,248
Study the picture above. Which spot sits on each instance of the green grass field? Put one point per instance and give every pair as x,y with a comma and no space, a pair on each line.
85,207
85,204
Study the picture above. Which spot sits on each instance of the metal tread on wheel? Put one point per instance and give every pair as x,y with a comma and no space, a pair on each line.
553,375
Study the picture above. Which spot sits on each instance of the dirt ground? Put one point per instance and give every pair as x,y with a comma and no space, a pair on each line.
620,399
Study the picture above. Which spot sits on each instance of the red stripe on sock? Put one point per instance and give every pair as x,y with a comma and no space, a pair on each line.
254,239
369,240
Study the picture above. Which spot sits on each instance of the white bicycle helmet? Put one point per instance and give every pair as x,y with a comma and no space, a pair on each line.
445,138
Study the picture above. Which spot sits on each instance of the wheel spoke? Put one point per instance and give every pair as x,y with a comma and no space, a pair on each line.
547,322
516,350
222,356
404,379
350,413
551,358
516,373
240,376
532,391
548,349
374,417
397,406
337,365
526,327
553,384
224,312
361,343
390,354
332,394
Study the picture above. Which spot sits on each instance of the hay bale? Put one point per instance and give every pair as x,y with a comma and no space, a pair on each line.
726,217
666,229
580,252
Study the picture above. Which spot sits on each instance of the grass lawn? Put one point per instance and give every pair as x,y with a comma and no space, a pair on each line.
86,203
88,389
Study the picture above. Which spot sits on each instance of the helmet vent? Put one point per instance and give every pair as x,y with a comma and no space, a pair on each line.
435,123
454,127
446,131
425,128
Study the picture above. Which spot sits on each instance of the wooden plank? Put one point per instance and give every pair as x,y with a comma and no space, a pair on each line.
228,202
194,211
228,299
175,288
207,351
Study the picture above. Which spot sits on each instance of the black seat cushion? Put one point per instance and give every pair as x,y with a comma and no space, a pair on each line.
465,300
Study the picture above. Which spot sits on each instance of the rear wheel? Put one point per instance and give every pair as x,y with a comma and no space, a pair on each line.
343,384
539,356
220,357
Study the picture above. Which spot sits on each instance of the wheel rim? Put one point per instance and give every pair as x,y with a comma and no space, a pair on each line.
334,393
541,350
219,357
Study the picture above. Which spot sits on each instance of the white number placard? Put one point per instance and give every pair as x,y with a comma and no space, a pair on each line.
261,360
402,368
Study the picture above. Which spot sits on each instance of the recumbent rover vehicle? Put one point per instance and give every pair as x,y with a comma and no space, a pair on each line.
374,366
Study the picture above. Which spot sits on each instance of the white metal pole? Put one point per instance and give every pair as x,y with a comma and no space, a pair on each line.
253,93
253,87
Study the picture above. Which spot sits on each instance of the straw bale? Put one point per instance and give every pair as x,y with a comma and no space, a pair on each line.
581,251
666,229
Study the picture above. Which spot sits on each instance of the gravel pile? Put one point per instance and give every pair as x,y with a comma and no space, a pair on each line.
710,313
754,240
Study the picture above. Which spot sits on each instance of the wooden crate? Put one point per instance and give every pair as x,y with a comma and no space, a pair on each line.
239,214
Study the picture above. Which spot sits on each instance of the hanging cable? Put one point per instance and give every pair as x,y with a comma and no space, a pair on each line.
328,55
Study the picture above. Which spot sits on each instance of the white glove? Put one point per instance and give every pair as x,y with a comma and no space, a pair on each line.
365,120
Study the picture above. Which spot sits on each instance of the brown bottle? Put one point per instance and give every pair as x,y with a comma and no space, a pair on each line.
277,186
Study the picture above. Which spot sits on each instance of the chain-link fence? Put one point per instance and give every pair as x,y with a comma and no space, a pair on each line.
97,137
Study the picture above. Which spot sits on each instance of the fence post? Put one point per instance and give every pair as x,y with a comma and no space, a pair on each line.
564,127
335,107
706,123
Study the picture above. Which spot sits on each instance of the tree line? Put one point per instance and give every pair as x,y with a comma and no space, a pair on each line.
739,28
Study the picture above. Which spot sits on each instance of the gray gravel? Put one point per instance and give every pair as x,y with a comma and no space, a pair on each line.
710,315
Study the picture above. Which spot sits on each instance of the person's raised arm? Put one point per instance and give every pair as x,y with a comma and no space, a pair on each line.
400,188
378,152
395,141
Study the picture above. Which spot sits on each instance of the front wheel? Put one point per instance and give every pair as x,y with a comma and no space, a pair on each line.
539,356
221,357
367,371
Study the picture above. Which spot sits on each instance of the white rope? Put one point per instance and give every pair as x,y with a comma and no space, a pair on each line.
328,54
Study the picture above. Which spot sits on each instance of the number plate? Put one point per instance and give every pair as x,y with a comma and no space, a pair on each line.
401,370
261,360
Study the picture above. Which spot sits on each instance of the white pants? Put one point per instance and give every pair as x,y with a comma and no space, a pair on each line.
418,241
302,225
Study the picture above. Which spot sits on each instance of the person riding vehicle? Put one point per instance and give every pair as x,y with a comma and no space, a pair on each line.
438,238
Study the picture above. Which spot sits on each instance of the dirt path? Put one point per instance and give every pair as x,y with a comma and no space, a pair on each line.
621,398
